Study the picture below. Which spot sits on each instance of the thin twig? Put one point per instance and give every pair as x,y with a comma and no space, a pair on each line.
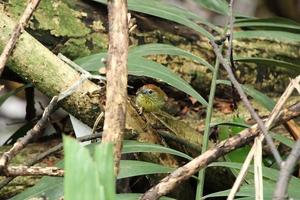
33,162
97,121
13,171
258,177
242,174
32,171
21,143
80,69
49,152
116,73
285,173
19,28
247,104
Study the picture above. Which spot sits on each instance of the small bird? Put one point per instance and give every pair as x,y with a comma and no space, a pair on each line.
150,98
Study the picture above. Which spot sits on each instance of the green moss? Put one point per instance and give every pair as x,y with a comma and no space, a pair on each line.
60,22
99,41
55,16
63,20
75,48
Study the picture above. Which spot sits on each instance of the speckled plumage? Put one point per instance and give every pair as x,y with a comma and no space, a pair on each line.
150,98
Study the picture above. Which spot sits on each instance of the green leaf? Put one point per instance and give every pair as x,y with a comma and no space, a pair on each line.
51,187
130,168
140,66
219,6
277,35
156,49
131,146
284,140
238,124
169,12
92,63
225,193
135,196
4,97
105,166
280,23
261,98
81,180
227,131
270,63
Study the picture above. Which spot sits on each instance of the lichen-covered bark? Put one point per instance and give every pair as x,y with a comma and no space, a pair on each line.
64,26
36,64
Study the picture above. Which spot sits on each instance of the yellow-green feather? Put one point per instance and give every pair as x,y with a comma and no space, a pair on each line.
150,103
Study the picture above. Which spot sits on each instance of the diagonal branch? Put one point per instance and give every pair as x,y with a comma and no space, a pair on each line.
31,6
35,131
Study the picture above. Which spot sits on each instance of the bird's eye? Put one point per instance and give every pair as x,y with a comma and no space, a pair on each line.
150,91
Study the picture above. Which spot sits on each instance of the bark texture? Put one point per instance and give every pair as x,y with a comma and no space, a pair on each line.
116,89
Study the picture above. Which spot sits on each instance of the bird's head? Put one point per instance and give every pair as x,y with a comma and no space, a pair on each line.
150,98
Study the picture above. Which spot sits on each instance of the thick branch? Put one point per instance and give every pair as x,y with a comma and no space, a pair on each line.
116,89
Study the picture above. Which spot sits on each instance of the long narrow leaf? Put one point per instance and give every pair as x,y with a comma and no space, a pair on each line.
156,49
277,35
77,173
280,23
261,98
270,63
103,156
219,6
169,12
130,168
134,146
51,187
